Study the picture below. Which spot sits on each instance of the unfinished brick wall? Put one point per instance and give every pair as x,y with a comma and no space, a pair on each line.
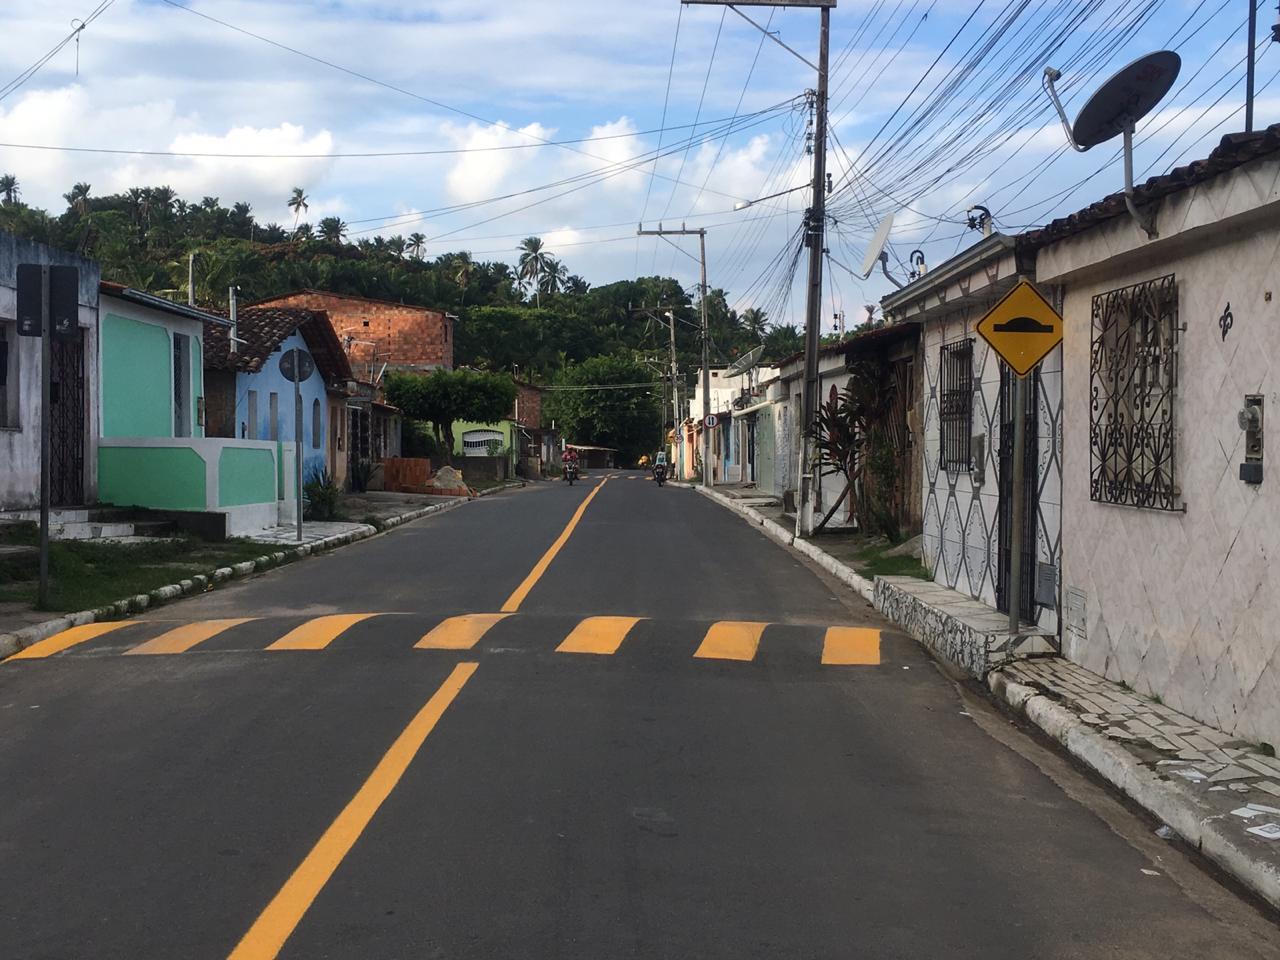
528,406
399,334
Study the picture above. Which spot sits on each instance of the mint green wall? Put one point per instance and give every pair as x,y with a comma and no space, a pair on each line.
246,476
166,478
506,427
137,379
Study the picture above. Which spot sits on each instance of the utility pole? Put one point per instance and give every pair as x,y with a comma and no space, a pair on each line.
701,234
675,386
814,238
1248,93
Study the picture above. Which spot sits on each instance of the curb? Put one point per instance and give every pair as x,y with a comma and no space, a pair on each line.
775,531
1195,824
11,643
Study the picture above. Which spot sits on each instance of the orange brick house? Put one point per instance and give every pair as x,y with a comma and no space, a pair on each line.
378,332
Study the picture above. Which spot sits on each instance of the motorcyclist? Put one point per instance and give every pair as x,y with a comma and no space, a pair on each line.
644,461
570,458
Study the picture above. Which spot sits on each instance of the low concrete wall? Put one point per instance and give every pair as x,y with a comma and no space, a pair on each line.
238,478
484,468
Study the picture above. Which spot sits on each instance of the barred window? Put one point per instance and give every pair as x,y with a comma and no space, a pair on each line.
957,404
1133,385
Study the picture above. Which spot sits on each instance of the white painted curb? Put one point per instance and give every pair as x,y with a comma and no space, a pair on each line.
1196,825
11,643
776,531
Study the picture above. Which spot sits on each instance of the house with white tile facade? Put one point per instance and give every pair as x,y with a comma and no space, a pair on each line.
1171,368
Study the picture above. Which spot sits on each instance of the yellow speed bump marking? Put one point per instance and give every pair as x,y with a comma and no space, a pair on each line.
181,639
522,591
67,639
281,917
731,640
317,634
600,635
851,646
460,633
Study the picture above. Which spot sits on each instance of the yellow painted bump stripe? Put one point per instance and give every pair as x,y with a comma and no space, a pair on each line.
277,922
67,639
851,646
183,638
522,591
460,633
731,640
317,634
599,635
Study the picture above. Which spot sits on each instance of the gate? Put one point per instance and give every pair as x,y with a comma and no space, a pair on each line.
67,420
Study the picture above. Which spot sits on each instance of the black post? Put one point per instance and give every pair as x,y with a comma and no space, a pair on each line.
1248,94
46,364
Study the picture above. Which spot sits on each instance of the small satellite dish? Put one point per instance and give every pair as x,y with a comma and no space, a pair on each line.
1126,98
745,362
877,246
1116,107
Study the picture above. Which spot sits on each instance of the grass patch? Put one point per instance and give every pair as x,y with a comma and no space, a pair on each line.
84,574
870,558
478,485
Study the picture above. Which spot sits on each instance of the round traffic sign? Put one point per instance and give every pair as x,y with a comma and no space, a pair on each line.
711,421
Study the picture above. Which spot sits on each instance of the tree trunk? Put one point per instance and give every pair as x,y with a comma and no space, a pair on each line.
848,485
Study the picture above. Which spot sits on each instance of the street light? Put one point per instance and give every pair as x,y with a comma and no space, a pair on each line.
743,204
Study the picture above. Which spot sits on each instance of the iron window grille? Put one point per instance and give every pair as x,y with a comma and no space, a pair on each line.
1133,387
957,404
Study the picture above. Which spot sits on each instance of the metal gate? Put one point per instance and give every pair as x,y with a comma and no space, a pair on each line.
1030,487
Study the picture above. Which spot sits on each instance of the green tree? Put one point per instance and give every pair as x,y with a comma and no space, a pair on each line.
417,243
333,229
298,204
599,404
446,396
9,187
534,262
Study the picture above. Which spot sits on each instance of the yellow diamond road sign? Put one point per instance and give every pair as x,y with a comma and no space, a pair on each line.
1022,328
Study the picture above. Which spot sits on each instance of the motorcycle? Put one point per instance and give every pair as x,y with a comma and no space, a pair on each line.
660,474
571,472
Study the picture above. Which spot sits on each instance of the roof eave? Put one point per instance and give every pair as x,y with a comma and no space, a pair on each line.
986,249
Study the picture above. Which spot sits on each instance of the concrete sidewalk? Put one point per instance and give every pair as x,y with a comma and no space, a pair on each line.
1219,794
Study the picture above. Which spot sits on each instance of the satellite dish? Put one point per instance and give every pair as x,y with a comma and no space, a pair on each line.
877,246
1116,107
1126,98
745,362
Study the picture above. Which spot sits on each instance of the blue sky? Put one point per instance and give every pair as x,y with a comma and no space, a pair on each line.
153,77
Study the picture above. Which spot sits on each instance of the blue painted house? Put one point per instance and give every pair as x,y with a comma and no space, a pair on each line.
247,393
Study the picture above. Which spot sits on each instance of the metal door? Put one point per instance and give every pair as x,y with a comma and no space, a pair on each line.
67,421
1030,486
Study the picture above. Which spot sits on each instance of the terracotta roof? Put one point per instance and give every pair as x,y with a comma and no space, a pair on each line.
1234,150
308,291
264,328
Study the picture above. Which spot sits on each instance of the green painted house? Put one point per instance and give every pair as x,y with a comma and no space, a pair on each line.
153,451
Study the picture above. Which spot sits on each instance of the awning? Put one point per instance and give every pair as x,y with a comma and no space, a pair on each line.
753,408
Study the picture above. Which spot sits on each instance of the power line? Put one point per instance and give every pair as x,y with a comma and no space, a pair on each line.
32,70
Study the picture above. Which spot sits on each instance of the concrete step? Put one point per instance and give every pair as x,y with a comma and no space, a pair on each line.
89,530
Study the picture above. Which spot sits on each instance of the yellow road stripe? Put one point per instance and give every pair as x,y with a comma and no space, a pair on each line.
851,646
601,635
319,633
460,633
731,640
281,917
522,591
181,639
67,639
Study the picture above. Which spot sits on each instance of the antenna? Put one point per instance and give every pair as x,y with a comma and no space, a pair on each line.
918,267
1115,108
745,362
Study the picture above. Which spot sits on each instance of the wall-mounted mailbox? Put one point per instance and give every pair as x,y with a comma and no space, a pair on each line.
1251,422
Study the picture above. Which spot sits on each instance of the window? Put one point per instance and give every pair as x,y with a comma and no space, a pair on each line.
181,385
273,411
316,424
1133,383
252,404
957,404
9,375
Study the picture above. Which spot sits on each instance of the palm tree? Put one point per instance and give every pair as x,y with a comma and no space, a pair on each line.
464,269
533,263
242,219
304,232
555,276
298,204
755,322
162,200
397,245
78,199
417,243
9,187
576,286
333,229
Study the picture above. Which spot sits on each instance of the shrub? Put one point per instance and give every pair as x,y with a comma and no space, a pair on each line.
322,496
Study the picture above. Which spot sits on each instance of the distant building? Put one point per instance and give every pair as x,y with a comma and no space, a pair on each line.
378,334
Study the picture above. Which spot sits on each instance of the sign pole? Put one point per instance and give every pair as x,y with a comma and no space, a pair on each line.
297,433
46,364
1017,503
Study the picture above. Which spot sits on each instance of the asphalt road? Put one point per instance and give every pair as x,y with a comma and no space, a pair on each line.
590,722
